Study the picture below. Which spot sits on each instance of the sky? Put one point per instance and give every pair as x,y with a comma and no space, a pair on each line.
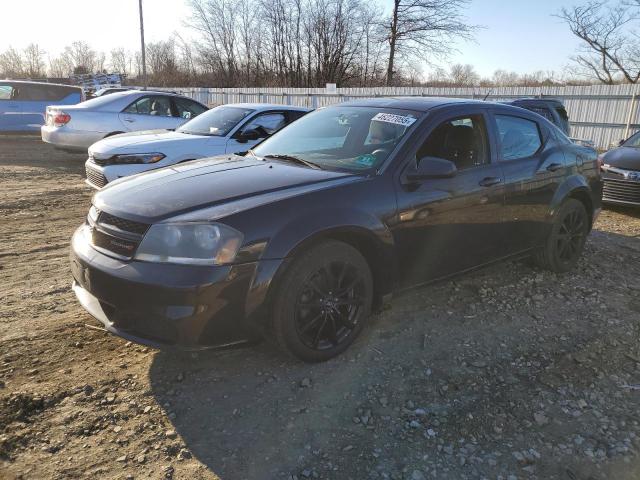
518,35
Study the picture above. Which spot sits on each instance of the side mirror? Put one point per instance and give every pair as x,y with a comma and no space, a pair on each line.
432,167
248,135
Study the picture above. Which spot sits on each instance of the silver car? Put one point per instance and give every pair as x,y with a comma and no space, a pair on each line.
76,127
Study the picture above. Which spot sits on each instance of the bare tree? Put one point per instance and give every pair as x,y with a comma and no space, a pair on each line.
610,53
58,67
11,64
163,63
118,60
424,30
79,57
34,61
463,75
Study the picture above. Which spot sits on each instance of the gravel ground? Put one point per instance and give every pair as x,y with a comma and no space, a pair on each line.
506,373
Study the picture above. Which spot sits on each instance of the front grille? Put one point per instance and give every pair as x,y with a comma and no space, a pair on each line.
122,224
95,177
120,246
621,191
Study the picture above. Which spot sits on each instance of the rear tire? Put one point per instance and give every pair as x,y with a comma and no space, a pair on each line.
566,240
323,302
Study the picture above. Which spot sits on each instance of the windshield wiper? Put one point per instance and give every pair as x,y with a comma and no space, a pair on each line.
291,158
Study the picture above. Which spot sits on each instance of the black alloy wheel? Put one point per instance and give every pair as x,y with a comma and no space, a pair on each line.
566,239
323,302
570,236
327,307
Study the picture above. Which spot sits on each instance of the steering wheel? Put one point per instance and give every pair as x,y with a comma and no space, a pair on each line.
380,152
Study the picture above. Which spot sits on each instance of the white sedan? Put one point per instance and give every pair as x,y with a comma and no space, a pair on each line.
76,127
224,129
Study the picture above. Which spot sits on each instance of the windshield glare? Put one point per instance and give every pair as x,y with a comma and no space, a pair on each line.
217,122
342,138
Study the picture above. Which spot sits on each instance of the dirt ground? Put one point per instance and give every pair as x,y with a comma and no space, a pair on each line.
506,373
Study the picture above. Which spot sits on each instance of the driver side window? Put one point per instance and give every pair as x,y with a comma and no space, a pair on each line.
266,124
462,140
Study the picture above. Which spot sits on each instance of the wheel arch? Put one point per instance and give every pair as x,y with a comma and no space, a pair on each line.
377,252
577,188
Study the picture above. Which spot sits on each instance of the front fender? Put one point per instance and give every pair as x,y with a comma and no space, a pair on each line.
323,222
351,225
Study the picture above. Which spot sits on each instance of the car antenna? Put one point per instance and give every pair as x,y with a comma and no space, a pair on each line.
487,95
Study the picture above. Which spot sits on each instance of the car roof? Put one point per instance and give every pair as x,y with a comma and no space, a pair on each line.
267,106
533,101
29,82
419,104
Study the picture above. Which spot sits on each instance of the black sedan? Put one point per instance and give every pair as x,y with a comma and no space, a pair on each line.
299,239
621,167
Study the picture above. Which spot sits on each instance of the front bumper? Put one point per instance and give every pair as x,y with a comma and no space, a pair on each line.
163,304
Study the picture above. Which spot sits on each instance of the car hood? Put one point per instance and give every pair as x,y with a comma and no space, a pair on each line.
168,192
623,157
150,141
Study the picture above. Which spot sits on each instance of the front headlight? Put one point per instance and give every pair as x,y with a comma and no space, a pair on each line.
137,158
190,243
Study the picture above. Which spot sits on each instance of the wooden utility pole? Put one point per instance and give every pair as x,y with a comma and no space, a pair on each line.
144,62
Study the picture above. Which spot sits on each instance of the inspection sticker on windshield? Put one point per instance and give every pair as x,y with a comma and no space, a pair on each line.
396,119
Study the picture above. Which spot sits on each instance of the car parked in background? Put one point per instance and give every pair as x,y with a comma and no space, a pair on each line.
109,90
224,129
621,173
77,127
23,104
299,239
549,108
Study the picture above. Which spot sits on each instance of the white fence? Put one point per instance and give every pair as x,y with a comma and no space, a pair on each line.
601,113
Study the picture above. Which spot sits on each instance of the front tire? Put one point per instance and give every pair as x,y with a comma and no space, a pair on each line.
323,302
566,240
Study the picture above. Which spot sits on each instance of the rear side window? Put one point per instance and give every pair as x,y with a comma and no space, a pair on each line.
519,137
43,92
188,109
6,92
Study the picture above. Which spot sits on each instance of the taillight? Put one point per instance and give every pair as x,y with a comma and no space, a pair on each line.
61,118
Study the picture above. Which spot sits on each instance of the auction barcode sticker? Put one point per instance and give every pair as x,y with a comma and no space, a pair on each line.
396,119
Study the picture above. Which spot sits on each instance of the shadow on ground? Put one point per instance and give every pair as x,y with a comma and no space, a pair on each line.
253,414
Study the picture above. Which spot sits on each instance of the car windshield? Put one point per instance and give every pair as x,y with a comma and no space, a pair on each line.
341,138
217,122
633,141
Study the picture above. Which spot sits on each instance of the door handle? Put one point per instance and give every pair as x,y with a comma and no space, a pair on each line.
489,181
130,120
554,167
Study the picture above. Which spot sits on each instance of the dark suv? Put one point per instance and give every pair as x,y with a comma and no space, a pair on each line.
300,238
550,108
